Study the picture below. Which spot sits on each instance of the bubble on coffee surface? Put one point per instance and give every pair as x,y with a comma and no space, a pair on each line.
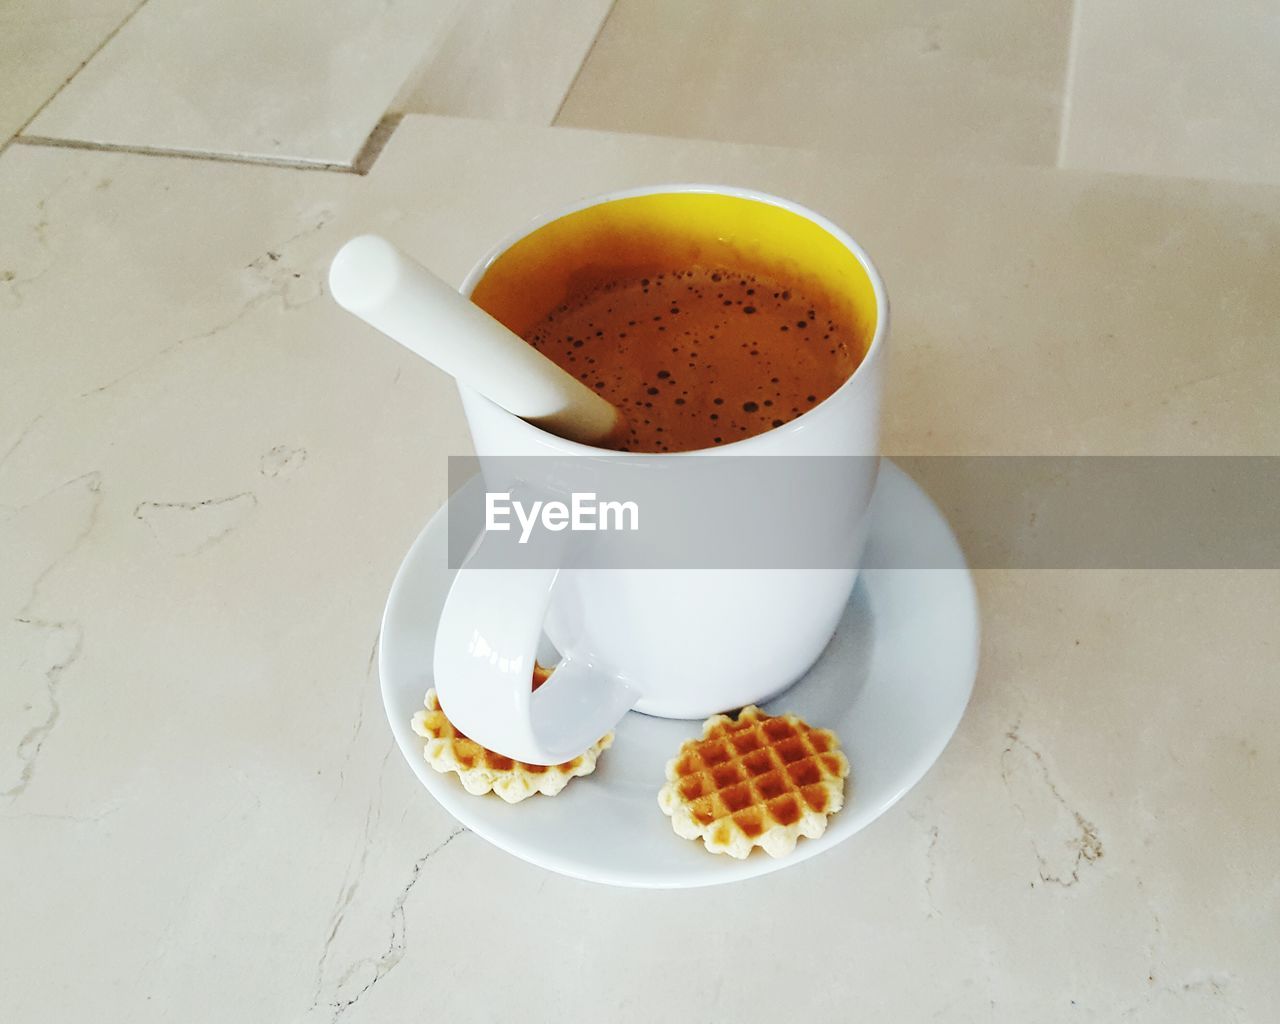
699,358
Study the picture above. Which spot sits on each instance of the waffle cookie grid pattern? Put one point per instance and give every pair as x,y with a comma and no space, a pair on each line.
758,781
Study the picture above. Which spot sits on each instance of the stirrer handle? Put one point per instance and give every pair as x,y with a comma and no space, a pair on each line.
388,290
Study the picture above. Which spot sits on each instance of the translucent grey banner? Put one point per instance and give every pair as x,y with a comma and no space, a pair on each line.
760,512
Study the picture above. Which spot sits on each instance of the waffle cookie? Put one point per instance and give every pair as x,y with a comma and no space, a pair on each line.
758,781
482,770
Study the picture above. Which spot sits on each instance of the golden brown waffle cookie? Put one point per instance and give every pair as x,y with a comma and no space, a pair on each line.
758,781
482,770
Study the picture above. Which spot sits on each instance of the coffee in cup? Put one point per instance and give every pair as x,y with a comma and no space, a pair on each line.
701,356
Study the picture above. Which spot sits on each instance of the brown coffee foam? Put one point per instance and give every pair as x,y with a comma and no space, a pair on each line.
562,264
699,357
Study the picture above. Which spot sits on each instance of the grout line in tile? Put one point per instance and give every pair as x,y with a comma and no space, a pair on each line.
1068,82
375,143
583,63
79,67
182,154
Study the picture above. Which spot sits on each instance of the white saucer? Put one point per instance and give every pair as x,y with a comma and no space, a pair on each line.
893,685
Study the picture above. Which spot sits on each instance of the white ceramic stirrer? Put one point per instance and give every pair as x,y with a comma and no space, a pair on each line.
386,289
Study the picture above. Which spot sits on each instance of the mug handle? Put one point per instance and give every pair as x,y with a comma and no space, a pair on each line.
484,655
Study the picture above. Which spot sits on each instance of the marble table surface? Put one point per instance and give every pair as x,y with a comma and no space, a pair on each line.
208,476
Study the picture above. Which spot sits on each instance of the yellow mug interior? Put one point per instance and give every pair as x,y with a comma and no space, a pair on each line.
649,234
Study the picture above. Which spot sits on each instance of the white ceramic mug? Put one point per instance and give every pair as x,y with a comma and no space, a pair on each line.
678,643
